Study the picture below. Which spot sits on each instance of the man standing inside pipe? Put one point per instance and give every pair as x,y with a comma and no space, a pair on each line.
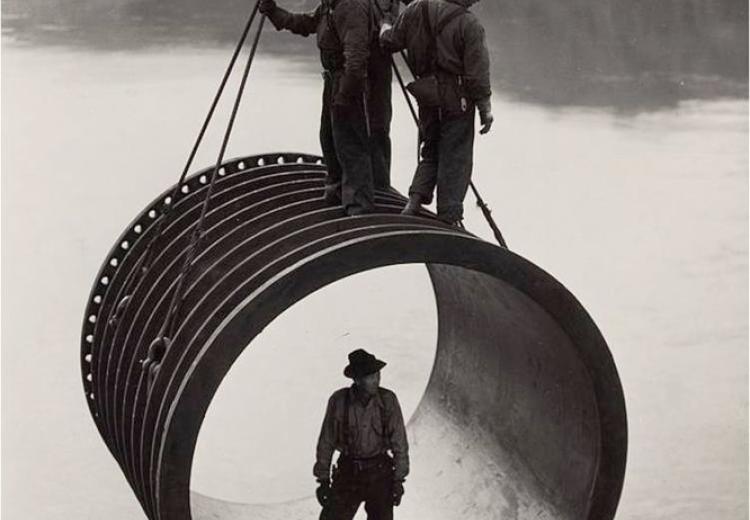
344,34
447,51
364,423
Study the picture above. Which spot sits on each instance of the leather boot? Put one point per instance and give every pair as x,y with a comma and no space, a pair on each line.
414,206
455,223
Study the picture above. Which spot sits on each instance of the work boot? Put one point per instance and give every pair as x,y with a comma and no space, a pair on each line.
414,206
459,223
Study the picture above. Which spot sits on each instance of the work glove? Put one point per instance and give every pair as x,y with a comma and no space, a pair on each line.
267,7
398,492
323,492
485,115
486,118
385,26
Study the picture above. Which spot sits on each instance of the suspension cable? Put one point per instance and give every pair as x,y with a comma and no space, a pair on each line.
166,214
195,240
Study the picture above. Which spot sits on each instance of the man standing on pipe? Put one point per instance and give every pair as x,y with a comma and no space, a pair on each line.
344,33
379,79
364,423
447,51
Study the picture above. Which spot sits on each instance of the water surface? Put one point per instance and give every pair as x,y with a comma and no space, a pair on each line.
641,214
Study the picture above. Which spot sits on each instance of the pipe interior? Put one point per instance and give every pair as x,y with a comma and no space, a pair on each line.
508,426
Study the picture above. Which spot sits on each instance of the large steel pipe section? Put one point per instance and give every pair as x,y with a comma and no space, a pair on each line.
523,416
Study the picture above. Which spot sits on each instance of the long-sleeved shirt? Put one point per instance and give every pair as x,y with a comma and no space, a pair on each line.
344,32
461,47
367,435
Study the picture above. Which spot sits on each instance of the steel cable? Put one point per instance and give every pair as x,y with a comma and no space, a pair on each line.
161,224
197,234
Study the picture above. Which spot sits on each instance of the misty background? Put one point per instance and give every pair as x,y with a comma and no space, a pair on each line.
623,53
618,163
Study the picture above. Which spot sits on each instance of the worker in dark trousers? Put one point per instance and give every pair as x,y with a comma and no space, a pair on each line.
379,80
344,34
446,49
364,423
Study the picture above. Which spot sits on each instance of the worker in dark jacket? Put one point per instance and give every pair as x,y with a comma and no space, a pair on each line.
344,38
364,423
446,48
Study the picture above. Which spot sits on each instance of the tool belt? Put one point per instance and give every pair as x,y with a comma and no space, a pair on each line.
453,91
440,90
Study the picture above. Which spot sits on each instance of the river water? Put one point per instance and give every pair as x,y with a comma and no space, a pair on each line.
643,215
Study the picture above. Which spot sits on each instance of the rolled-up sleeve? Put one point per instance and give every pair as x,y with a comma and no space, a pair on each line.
398,441
326,444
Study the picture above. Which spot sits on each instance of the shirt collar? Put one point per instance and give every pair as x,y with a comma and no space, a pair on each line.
354,394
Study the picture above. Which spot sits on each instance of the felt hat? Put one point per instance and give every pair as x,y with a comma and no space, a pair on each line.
361,364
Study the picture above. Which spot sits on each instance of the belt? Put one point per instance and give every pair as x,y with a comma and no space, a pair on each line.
364,463
458,79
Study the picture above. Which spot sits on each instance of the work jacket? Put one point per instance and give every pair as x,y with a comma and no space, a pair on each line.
344,32
461,48
374,428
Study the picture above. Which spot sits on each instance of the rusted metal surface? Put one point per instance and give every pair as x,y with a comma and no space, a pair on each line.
523,384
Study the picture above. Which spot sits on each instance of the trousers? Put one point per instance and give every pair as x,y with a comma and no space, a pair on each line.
380,110
352,487
345,143
446,161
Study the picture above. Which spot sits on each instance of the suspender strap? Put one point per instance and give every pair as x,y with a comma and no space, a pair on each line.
458,11
384,420
347,407
433,35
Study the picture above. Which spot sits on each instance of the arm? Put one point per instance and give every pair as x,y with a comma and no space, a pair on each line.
476,60
386,9
326,444
303,24
398,441
393,34
352,21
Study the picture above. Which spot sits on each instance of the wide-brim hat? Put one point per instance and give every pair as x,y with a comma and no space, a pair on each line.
361,364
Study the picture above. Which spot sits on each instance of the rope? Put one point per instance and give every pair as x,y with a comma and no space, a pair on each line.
149,254
486,211
195,240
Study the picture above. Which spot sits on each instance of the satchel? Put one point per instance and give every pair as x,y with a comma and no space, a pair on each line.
426,91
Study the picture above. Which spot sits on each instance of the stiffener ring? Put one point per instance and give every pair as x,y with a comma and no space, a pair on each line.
524,390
